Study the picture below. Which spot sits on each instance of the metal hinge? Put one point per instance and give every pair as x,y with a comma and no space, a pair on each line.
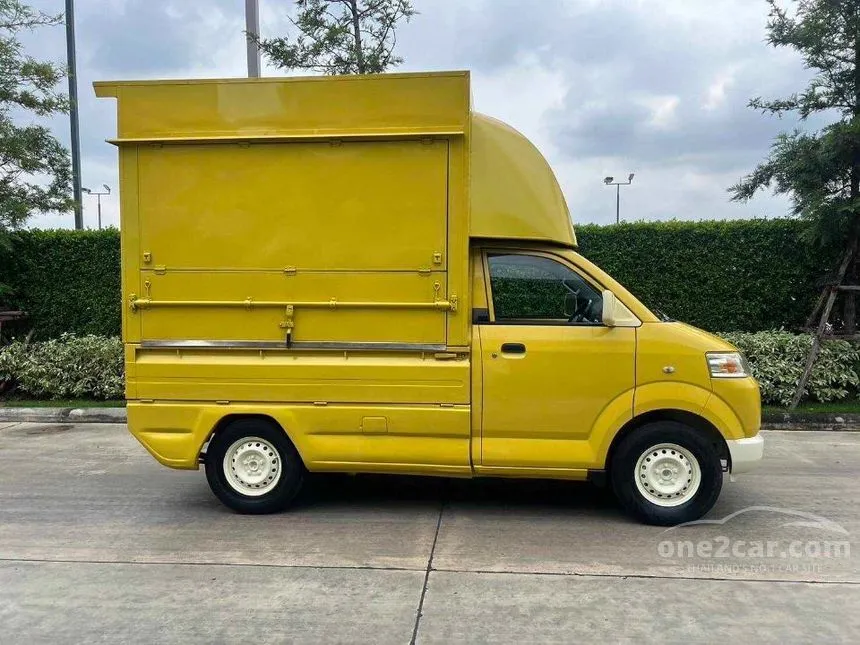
446,356
290,271
424,271
160,269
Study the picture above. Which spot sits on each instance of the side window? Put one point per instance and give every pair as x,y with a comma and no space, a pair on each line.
530,288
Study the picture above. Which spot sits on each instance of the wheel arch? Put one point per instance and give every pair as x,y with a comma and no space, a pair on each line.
679,416
232,417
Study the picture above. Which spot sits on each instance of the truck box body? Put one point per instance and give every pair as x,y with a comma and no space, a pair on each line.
321,216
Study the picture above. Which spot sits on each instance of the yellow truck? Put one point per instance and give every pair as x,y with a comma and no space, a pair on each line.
362,274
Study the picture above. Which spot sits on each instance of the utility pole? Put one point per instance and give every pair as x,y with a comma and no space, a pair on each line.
252,35
610,181
73,113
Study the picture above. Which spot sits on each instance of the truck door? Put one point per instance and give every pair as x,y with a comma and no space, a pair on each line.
550,368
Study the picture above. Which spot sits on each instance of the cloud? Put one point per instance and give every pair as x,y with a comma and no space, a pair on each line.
604,87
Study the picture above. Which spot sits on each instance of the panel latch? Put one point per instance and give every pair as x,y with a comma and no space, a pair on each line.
288,324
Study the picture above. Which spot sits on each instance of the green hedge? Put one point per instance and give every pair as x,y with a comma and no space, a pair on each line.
67,281
746,275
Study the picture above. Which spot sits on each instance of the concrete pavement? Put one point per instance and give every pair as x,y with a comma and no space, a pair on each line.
98,543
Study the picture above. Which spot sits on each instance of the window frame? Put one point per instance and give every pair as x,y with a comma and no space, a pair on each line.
488,285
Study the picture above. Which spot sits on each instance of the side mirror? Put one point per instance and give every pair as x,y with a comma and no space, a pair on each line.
609,308
570,304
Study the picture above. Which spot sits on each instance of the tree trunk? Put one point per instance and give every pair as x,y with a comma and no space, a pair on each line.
356,32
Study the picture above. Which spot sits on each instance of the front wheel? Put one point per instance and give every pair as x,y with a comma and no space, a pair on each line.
666,473
253,467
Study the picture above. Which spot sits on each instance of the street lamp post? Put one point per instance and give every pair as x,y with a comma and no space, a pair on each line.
252,34
99,197
610,181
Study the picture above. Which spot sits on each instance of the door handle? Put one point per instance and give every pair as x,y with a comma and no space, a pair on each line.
513,348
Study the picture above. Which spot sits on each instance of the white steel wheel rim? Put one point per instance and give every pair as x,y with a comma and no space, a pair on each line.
252,466
668,475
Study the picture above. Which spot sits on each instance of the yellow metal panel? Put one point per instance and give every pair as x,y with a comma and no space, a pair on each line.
739,399
299,376
130,238
514,192
676,346
300,205
317,106
686,397
544,408
426,439
574,474
325,322
733,407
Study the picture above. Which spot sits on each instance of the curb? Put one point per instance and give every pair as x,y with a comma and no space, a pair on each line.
63,415
811,421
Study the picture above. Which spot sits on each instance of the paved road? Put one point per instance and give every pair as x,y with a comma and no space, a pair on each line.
100,544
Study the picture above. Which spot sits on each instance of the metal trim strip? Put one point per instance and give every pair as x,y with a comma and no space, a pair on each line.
299,345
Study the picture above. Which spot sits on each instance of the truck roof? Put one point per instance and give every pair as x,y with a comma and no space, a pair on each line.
513,192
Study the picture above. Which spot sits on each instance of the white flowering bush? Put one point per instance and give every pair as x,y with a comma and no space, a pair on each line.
777,359
77,367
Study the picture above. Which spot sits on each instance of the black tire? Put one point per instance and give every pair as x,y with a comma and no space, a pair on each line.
623,472
292,469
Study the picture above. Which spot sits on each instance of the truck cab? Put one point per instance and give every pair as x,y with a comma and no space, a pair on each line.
362,274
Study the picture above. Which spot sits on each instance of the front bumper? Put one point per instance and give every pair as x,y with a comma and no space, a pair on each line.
745,453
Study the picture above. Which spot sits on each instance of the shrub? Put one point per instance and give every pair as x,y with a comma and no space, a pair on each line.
66,367
66,281
777,359
749,275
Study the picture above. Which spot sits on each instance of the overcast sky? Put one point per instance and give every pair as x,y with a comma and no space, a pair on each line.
603,87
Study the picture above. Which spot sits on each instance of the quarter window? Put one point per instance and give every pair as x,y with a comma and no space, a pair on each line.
533,288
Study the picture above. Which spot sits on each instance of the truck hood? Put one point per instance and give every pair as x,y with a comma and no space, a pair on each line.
707,341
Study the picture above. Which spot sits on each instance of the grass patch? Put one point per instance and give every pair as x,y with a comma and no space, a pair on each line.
60,403
836,407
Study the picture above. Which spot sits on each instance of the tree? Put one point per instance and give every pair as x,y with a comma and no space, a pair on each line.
35,173
819,169
341,36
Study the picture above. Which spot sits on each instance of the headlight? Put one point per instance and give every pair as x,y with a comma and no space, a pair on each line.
727,365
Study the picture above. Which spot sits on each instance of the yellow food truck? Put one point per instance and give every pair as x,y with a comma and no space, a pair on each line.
362,274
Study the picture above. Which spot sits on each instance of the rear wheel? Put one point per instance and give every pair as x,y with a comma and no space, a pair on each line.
666,473
253,467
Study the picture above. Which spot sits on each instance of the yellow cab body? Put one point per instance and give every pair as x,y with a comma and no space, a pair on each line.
389,277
